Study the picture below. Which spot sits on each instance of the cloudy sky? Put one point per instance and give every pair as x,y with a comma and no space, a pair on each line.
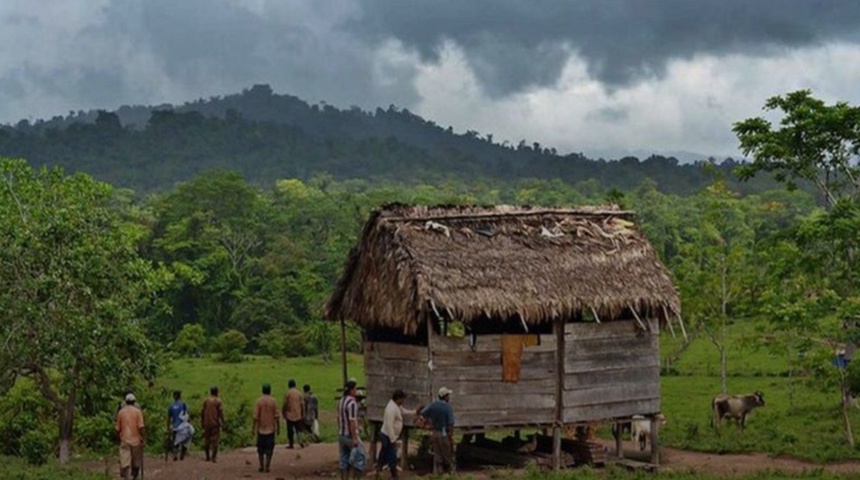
598,76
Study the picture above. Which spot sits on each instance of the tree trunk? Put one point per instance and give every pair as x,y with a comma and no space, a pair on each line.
723,371
67,417
849,435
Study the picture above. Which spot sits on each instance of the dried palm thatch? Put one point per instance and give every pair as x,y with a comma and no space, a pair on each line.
501,263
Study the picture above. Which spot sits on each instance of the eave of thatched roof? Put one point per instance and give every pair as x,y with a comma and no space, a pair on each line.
500,262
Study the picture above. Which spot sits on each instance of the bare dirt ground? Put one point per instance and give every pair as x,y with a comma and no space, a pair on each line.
319,461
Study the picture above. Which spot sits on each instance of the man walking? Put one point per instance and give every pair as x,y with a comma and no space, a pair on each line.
392,425
311,408
132,437
293,413
440,416
352,455
267,426
212,418
175,413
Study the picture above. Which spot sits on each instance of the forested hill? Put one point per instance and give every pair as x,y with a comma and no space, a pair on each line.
267,136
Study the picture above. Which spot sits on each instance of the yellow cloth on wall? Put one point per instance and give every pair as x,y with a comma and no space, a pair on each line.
512,354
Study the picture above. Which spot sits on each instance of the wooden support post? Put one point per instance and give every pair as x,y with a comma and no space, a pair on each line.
559,394
343,350
619,445
655,444
404,455
374,442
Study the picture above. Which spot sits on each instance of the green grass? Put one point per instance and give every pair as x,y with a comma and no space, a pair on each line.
13,468
799,419
241,382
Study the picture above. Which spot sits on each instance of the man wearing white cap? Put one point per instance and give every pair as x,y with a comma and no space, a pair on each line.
132,437
440,416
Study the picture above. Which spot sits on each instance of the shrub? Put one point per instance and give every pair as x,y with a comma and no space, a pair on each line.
230,345
36,447
190,341
273,343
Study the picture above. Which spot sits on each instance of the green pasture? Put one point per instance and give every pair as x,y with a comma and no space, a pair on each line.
241,383
798,420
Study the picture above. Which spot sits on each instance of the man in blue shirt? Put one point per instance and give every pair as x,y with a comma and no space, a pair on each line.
175,414
440,416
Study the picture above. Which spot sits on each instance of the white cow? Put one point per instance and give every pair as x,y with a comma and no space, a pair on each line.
640,428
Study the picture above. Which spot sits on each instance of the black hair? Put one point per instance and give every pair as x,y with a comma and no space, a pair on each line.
177,394
267,389
213,391
306,388
398,395
291,383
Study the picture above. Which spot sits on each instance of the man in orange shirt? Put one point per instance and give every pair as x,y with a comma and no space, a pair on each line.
212,417
267,425
132,437
293,413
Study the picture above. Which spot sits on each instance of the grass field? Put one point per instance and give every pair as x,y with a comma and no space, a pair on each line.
798,420
240,383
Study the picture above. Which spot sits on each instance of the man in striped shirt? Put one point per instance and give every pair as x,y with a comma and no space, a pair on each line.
352,454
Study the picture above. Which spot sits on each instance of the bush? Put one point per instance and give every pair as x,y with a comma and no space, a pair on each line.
23,409
273,343
95,433
190,341
230,346
36,447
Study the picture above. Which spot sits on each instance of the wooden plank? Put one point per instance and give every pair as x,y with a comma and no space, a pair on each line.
559,394
502,418
486,343
395,368
487,359
540,369
590,413
618,362
501,402
388,383
396,351
629,346
622,392
480,386
613,329
573,381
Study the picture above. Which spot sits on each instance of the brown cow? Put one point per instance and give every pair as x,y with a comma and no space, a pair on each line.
735,406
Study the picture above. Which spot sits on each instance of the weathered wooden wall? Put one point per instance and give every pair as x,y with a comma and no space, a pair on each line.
610,370
480,397
389,366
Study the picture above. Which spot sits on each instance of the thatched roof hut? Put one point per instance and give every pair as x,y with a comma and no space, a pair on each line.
556,311
500,263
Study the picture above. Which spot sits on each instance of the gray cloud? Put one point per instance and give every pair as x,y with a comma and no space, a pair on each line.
623,41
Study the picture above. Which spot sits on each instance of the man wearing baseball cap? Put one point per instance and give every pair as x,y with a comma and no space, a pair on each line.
352,454
440,416
132,437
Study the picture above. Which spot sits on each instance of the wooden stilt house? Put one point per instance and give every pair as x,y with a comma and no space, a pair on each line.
534,317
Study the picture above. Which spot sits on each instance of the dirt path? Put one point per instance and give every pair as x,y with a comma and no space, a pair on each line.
319,461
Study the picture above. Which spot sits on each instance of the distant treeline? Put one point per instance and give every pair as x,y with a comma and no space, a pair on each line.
266,136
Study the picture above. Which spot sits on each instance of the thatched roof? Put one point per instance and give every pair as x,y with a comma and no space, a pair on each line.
500,263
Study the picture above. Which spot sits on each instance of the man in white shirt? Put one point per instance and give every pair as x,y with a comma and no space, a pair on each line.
392,425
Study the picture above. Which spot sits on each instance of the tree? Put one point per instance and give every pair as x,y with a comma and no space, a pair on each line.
819,144
71,288
230,346
190,341
321,335
712,274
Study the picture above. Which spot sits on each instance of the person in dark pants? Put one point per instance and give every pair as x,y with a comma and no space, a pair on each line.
392,425
267,426
440,416
294,415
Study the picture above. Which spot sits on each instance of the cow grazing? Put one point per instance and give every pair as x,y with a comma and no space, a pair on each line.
640,429
735,406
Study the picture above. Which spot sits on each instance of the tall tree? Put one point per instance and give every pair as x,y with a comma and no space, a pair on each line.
818,144
71,288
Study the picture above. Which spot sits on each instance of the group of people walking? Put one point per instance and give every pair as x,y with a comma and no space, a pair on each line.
300,411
